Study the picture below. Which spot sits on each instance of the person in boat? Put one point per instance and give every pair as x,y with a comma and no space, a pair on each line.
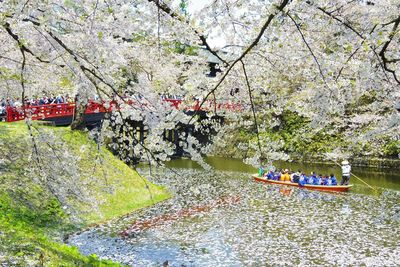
310,179
296,177
278,175
285,177
320,179
270,175
302,179
325,180
346,169
317,180
261,172
328,181
313,179
333,179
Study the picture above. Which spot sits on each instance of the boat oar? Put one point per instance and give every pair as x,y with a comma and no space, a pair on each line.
373,188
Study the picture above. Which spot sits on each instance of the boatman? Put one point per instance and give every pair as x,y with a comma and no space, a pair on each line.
346,169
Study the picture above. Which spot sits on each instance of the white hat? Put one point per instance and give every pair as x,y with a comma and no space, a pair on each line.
345,162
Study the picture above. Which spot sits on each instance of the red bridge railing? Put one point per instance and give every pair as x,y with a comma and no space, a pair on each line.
40,112
68,109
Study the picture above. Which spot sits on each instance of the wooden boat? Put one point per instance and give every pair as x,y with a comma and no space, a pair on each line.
331,188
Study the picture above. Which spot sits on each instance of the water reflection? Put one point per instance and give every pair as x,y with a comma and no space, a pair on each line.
380,178
284,191
267,225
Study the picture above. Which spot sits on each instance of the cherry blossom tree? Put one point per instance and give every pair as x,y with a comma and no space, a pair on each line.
320,59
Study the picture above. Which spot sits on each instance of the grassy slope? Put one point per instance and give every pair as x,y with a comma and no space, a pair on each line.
24,229
129,189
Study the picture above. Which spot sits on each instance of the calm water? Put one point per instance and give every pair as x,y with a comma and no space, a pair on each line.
223,218
381,178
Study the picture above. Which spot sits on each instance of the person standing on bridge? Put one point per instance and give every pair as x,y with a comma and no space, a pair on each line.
43,100
2,109
346,169
17,103
59,99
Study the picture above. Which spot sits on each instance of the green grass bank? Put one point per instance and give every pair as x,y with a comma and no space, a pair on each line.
54,181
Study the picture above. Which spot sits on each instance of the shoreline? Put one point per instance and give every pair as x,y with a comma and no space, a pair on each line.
373,163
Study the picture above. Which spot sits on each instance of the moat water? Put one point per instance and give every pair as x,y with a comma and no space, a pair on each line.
223,218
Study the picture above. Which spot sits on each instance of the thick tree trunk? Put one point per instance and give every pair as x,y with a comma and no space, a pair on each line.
78,121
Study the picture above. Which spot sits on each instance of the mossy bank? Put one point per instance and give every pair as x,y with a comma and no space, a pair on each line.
54,181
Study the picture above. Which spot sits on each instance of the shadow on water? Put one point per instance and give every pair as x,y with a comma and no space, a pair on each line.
265,224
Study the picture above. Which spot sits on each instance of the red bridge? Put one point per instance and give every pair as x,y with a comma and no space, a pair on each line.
66,111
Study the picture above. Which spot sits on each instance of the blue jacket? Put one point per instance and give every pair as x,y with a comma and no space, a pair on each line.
334,181
303,180
270,176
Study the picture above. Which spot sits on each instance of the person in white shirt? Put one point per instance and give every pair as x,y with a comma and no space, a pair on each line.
346,169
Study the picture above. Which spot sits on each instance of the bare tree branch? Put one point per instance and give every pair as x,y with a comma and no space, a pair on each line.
352,55
383,63
253,110
385,47
308,46
21,45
